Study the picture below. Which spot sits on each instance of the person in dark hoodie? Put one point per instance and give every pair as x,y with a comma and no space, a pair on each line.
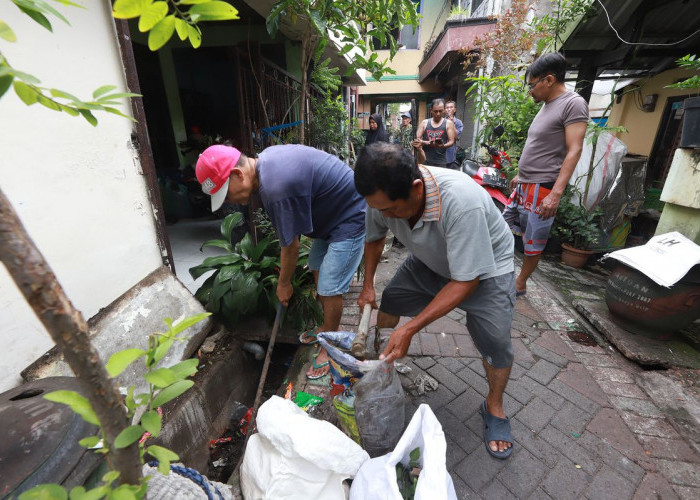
377,133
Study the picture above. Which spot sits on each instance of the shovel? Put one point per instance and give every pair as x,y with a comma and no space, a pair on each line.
359,345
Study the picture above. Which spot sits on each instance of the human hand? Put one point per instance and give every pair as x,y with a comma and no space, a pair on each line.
549,205
398,344
284,292
417,143
514,183
367,296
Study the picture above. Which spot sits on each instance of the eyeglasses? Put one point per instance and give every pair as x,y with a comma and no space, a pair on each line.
534,84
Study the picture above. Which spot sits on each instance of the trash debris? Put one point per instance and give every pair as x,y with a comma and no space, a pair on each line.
288,392
377,477
208,345
344,404
214,442
296,456
255,349
423,383
576,434
219,463
245,421
407,476
379,408
401,367
578,466
304,400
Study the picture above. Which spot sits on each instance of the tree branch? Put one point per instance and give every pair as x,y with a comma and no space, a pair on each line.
37,282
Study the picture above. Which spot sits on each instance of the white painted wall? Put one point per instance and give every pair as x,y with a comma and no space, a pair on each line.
77,188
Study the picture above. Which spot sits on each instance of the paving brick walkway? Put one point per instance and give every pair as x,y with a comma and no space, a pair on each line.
583,427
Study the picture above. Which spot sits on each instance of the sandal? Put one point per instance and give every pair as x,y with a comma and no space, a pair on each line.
308,337
496,429
315,366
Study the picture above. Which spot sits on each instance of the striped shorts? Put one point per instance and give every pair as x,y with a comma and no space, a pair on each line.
523,216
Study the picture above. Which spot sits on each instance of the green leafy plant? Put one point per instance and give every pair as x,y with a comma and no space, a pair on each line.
244,282
574,223
328,129
164,385
161,19
692,63
503,100
351,24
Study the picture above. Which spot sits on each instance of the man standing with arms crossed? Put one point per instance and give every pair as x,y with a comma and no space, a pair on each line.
451,152
553,147
435,135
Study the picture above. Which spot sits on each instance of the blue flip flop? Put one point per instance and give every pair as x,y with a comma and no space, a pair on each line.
496,429
521,293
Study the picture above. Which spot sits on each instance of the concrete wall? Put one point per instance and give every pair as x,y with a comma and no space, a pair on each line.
77,188
643,126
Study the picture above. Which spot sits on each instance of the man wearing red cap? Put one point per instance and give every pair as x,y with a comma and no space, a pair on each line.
304,191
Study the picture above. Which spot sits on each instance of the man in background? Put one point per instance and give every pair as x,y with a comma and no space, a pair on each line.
553,147
451,152
406,133
435,135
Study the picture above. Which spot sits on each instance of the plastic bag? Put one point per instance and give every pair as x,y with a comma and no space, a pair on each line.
295,456
609,152
376,479
344,404
379,408
345,368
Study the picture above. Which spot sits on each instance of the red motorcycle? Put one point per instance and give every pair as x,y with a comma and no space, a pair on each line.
491,177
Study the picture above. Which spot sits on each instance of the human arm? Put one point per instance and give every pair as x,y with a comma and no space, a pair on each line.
288,262
449,297
451,135
420,154
419,134
574,134
373,252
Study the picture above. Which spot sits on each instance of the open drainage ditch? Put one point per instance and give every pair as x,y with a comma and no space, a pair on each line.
227,450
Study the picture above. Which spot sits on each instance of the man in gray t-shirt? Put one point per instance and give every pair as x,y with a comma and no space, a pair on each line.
461,256
553,147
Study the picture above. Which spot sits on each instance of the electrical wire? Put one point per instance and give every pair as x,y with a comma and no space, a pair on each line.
643,43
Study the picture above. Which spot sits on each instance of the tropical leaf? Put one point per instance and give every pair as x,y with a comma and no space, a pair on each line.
118,361
229,222
161,33
171,392
128,436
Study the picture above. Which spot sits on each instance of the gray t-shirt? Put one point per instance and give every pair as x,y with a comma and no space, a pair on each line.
545,148
461,234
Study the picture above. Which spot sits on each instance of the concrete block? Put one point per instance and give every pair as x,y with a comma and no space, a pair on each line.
128,321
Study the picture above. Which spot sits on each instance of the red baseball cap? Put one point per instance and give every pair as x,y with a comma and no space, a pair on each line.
213,170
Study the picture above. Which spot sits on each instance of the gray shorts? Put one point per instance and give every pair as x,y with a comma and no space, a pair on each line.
489,309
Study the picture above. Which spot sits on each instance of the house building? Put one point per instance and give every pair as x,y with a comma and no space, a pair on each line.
92,198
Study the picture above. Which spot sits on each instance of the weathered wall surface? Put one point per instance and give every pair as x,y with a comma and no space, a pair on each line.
643,126
77,188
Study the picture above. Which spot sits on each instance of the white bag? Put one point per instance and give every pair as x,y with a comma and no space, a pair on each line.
609,153
296,456
376,479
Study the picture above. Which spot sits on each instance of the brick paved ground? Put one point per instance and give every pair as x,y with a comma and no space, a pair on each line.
583,427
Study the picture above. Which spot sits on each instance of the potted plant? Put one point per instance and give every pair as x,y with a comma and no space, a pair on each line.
577,227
